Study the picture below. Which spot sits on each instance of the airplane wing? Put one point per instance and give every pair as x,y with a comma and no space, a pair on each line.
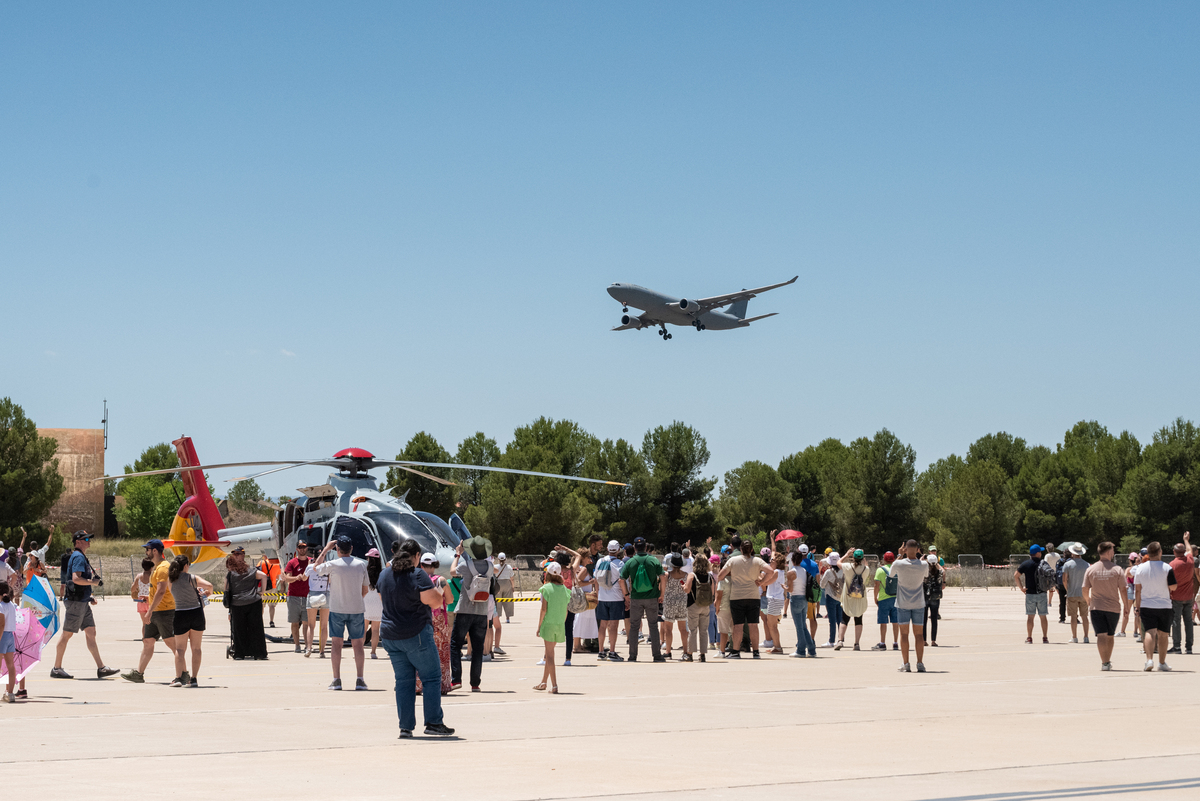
717,301
759,317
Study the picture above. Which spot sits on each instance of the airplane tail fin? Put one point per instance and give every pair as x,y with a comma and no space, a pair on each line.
738,309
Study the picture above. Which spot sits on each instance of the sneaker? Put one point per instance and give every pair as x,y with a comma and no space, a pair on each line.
186,677
193,685
499,650
856,648
1106,665
839,645
796,655
475,688
603,655
59,673
1045,641
336,684
374,655
613,656
1164,667
22,693
768,644
825,645
566,663
1086,640
905,668
630,659
895,646
879,647
136,677
1188,652
1149,665
1074,640
359,684
754,654
454,685
438,729
686,658
105,672
1120,634
405,734
487,658
1029,641
177,682
307,653
1175,650
920,667
659,659
701,657
667,656
9,698
734,655
321,655
541,661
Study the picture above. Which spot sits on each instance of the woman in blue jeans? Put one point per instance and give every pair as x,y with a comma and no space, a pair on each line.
831,583
406,633
797,581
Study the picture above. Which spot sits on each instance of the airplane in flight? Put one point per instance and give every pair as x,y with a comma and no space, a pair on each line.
659,309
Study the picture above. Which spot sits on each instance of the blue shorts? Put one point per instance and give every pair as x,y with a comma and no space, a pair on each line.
339,623
914,616
886,611
8,642
610,610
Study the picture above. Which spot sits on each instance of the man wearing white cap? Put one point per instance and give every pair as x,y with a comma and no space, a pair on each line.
610,600
506,581
1072,578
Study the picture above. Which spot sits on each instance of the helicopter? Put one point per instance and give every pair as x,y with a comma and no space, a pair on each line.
349,504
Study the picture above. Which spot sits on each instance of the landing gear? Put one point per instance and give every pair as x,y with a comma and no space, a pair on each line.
624,310
663,333
699,326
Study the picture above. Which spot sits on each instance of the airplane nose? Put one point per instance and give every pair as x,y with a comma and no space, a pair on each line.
612,289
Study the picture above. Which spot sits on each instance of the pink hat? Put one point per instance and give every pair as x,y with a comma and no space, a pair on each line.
373,552
1133,557
765,552
714,559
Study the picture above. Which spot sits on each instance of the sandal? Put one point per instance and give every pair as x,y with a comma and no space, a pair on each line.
541,686
554,690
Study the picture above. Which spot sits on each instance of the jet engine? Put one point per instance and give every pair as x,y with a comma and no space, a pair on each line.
628,320
687,305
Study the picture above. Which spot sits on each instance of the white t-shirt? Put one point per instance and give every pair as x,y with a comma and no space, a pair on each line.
347,580
800,582
1051,559
777,588
910,579
9,610
687,564
5,572
505,572
1152,576
613,565
316,584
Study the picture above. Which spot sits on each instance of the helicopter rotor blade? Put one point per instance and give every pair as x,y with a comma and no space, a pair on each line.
427,475
503,470
195,467
286,466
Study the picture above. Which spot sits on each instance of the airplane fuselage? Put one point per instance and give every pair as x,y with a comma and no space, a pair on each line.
670,310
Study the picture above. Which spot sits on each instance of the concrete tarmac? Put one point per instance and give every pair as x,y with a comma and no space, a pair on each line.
994,719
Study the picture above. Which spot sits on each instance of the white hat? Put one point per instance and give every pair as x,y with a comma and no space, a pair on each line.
502,557
554,569
803,549
834,558
613,546
1079,549
428,559
931,559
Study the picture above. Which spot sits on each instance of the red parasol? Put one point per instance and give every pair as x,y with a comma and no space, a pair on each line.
789,534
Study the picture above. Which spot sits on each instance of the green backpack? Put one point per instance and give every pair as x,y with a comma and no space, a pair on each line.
642,583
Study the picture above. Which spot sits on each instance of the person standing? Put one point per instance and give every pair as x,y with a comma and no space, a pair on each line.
640,582
674,604
776,598
77,591
1183,596
797,579
159,619
441,615
935,583
1038,581
408,595
1052,558
724,616
271,570
831,588
552,622
373,607
700,596
471,565
506,584
610,600
8,639
1103,591
812,590
188,626
749,575
296,579
1154,581
1129,593
243,584
885,604
1073,571
348,585
910,575
855,578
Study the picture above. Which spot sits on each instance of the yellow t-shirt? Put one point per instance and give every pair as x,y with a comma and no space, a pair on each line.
159,576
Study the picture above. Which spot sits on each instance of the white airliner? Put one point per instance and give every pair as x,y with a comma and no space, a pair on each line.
659,309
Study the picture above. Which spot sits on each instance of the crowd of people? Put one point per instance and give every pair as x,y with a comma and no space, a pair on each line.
692,602
1161,597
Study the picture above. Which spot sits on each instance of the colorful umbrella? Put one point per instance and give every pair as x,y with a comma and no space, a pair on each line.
40,598
788,534
29,644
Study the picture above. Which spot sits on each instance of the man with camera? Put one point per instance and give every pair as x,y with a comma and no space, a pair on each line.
79,601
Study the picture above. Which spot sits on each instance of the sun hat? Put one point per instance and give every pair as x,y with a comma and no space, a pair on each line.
889,557
834,557
1079,549
554,569
480,547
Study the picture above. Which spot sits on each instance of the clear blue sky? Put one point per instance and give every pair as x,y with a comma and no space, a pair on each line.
289,228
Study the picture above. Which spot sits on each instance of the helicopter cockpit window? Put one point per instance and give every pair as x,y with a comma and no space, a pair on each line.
314,536
358,532
439,528
399,526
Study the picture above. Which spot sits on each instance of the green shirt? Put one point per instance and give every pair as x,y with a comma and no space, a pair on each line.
881,575
653,571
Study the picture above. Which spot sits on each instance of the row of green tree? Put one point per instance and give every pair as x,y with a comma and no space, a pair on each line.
997,499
